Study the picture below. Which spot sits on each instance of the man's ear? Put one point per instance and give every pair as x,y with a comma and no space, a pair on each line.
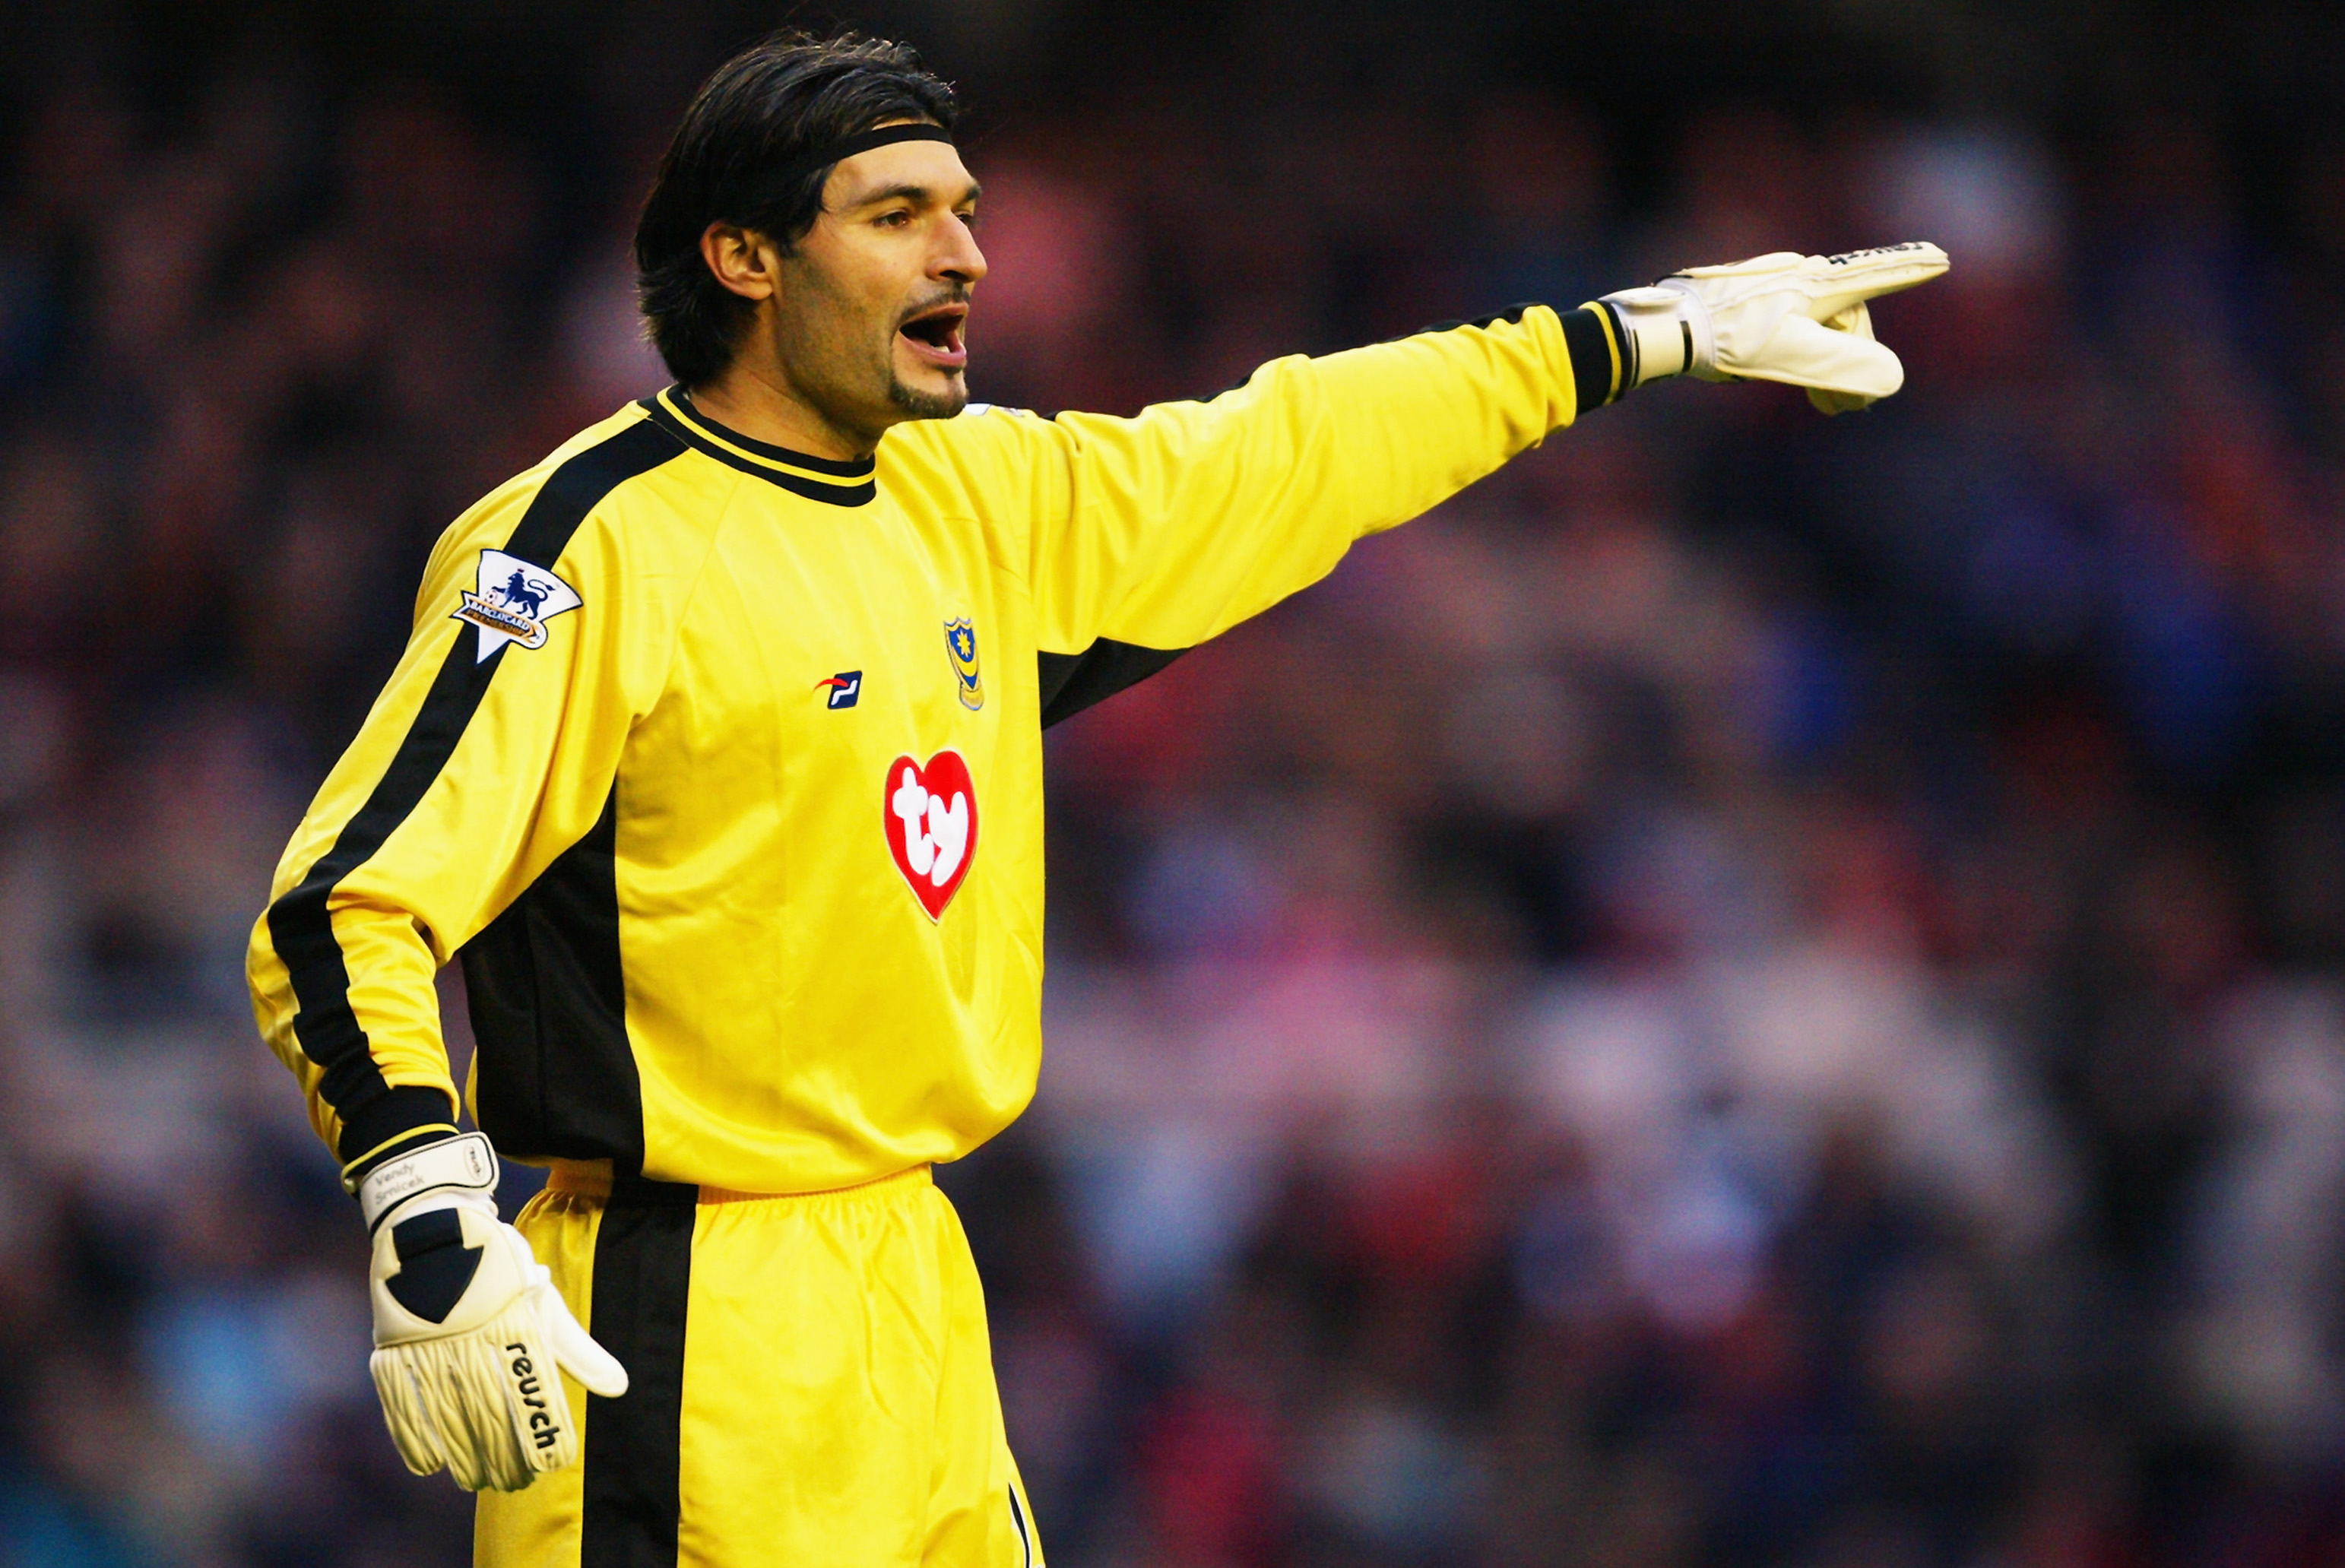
740,258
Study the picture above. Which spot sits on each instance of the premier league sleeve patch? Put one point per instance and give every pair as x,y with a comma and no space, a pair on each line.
514,602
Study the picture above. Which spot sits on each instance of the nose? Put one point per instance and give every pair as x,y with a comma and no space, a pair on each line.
959,260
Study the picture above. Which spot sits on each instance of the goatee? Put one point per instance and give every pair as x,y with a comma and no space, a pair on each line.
922,405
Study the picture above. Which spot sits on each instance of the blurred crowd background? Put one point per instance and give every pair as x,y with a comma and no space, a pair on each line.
1756,990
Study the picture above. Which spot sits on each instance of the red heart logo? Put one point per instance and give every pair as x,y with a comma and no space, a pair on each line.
931,816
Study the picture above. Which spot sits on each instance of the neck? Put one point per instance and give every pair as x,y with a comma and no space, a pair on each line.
759,402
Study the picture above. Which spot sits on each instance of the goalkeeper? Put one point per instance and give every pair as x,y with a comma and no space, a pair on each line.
714,757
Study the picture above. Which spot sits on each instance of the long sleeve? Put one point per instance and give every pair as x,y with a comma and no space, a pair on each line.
538,639
1142,537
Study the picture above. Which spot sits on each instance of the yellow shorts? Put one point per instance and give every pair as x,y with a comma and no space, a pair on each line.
809,1383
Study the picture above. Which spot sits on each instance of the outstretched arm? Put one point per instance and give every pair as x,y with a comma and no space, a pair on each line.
1140,538
1143,537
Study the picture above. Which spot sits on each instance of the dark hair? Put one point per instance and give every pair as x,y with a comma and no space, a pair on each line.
789,94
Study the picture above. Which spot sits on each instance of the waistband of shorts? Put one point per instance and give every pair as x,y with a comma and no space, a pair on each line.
592,1180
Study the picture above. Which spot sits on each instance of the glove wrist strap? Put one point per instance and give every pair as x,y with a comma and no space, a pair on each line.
1665,332
462,1164
1656,338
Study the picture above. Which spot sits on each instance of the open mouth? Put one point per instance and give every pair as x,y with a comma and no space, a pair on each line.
935,336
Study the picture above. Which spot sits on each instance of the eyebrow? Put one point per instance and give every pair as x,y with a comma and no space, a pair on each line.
919,194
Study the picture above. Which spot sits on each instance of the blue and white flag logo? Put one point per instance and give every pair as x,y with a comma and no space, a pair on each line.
515,600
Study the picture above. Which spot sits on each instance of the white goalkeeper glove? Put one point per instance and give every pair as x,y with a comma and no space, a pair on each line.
1798,319
471,1336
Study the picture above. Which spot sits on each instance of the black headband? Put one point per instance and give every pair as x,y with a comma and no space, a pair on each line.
778,182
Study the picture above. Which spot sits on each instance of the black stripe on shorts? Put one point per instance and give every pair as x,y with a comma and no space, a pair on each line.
1025,1536
643,1279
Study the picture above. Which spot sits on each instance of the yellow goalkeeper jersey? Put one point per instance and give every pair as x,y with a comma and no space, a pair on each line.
719,766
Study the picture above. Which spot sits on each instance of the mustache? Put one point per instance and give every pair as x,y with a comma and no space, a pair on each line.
957,294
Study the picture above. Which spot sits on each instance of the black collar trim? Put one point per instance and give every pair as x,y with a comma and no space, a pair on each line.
837,468
665,415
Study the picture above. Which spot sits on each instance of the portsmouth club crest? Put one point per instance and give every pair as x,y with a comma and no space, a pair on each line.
514,602
960,642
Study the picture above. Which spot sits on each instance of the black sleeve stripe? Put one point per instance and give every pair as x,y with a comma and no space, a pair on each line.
1073,682
1591,358
298,924
1510,316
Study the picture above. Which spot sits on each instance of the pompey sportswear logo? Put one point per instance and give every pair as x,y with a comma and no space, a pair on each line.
514,603
930,814
961,644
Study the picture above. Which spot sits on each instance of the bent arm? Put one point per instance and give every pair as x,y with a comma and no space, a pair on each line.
484,759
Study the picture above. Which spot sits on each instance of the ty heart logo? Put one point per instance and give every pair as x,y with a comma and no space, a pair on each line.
930,815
